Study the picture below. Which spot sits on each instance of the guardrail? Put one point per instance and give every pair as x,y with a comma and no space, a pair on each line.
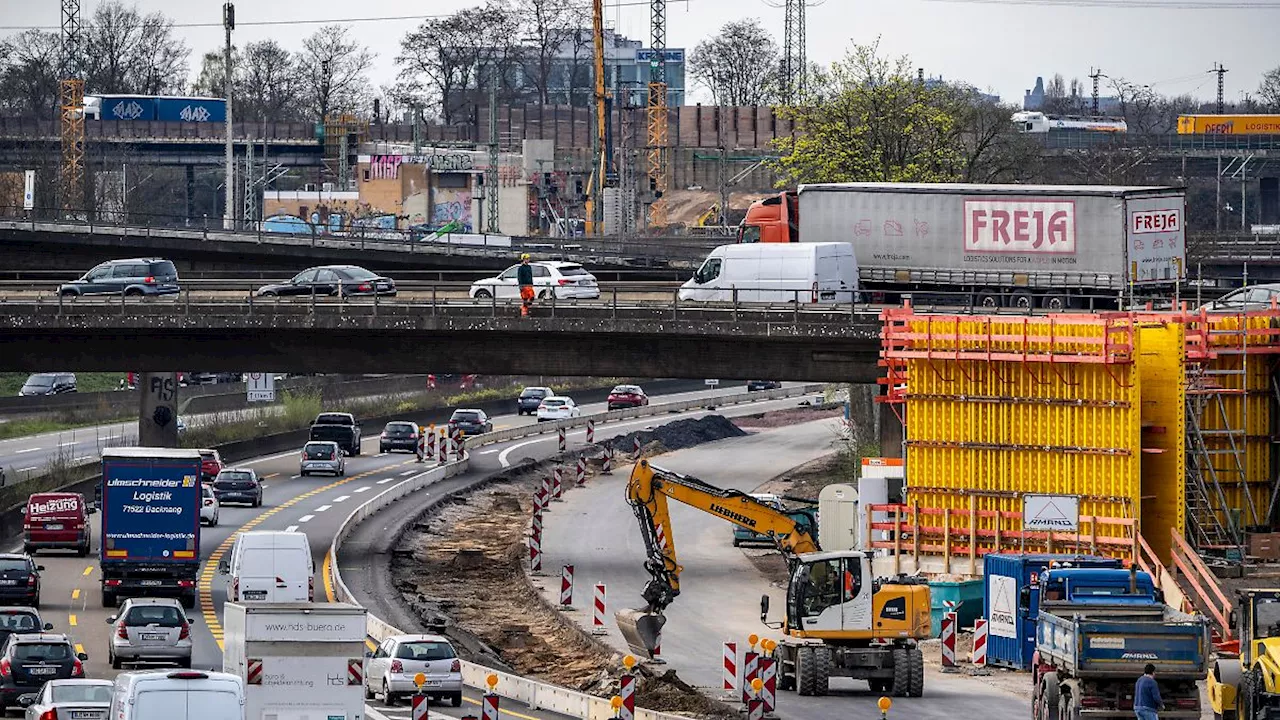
537,695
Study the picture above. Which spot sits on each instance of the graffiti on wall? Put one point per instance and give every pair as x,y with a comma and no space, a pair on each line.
451,205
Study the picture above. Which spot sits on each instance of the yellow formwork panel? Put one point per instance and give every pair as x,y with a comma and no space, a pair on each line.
1066,335
1162,365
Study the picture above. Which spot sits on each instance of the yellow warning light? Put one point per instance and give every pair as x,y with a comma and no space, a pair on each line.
491,680
757,685
753,640
615,702
629,661
884,703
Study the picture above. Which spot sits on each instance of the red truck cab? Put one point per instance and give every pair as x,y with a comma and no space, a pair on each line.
56,520
773,219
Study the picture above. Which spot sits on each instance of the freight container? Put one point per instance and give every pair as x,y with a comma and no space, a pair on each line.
1050,246
191,109
1011,627
119,107
1229,124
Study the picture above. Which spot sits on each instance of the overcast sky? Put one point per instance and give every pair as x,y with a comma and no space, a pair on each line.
1000,45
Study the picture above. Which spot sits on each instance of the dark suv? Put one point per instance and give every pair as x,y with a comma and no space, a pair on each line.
49,384
238,485
137,277
398,435
19,580
27,662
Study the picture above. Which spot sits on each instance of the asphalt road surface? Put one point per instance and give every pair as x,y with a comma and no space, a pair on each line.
720,588
71,598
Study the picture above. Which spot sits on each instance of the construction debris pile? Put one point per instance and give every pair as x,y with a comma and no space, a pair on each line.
678,435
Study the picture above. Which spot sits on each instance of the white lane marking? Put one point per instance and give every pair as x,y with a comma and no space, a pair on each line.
363,489
27,450
291,528
384,482
322,508
277,456
294,477
490,451
33,467
341,498
265,486
305,518
407,473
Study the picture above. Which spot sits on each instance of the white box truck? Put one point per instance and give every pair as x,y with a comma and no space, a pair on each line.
299,661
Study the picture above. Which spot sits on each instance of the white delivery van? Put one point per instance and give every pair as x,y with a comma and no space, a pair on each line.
177,695
270,566
776,273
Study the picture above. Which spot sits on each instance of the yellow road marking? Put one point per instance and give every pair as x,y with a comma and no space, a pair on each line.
71,620
268,477
88,571
325,568
370,644
75,594
79,648
205,587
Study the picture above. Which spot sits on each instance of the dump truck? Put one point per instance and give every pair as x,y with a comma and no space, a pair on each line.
1097,630
840,619
1025,246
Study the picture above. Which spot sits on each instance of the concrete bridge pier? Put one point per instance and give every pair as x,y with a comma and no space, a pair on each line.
158,416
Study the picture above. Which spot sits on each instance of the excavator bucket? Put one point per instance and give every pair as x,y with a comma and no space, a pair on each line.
640,628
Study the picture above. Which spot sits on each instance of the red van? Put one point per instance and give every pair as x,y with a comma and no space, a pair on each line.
56,520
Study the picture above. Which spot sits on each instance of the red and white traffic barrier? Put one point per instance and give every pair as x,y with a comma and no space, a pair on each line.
557,484
980,642
582,470
635,446
769,683
254,674
607,467
730,671
656,656
627,691
755,709
949,642
561,438
419,707
442,449
566,587
546,493
489,707
430,437
750,669
598,611
591,432
535,546
355,671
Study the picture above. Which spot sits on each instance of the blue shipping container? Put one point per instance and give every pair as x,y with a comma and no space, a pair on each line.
1011,629
127,107
150,508
198,110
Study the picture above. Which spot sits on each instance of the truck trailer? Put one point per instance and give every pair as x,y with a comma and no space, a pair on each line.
150,543
298,660
1023,246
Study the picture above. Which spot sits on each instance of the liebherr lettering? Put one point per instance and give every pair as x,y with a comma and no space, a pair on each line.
736,517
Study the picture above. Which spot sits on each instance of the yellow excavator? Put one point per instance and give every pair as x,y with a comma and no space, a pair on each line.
1247,687
839,621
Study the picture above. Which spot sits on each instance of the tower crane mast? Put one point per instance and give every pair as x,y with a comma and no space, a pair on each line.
657,111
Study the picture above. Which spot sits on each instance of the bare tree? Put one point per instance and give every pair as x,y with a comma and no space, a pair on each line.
334,73
445,62
211,82
268,83
29,74
132,52
1063,99
547,29
1148,112
738,64
1269,90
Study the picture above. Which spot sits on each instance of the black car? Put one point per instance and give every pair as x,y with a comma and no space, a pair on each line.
49,384
754,385
398,435
349,280
238,485
19,579
136,277
530,398
470,422
27,662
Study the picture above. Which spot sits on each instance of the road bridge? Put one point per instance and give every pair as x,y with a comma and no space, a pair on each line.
797,342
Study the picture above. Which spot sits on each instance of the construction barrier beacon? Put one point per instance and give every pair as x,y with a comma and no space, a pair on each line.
591,432
627,691
750,671
489,707
442,449
419,705
566,587
949,642
535,542
607,467
769,683
655,657
980,642
755,704
635,446
547,492
730,671
582,470
560,437
430,437
557,483
598,611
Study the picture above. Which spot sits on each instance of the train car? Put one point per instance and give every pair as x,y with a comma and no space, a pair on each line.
164,108
1038,122
1229,124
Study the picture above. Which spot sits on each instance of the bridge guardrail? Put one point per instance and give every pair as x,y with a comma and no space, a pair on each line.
535,694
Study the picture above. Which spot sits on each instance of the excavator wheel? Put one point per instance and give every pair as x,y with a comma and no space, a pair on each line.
916,658
1248,697
822,670
805,671
901,673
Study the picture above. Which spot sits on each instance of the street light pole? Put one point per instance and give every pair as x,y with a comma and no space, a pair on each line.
229,23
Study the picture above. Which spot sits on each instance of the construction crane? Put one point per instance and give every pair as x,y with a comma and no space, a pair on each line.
840,620
603,171
657,111
71,104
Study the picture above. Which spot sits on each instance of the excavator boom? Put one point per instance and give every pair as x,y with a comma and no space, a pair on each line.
648,491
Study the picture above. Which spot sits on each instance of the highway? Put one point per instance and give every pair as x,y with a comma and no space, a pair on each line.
720,588
71,598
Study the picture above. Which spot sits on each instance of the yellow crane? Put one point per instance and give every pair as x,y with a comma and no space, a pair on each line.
840,620
600,176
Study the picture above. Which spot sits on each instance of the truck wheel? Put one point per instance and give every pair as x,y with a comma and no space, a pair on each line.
915,656
822,670
987,298
108,599
1056,302
901,673
1022,300
805,671
189,600
1049,696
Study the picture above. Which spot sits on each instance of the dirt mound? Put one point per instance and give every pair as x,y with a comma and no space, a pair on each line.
678,435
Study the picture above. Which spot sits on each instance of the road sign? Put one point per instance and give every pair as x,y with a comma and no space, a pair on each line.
262,387
712,383
29,193
1051,512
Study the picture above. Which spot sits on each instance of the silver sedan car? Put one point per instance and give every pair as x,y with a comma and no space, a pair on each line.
399,658
70,700
322,456
150,630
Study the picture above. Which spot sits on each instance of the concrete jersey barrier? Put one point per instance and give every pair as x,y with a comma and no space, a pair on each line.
537,695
